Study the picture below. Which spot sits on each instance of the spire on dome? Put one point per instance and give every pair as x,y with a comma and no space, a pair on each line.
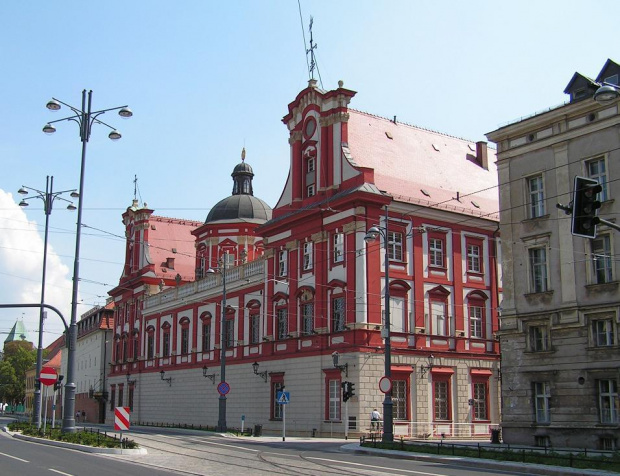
243,154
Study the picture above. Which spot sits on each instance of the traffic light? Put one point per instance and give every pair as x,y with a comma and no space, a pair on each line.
345,391
351,389
58,382
585,207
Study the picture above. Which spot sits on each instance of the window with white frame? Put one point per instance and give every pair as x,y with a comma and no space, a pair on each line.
282,323
473,258
399,399
277,407
536,203
282,263
206,336
542,397
150,345
436,252
185,340
395,246
307,318
229,333
334,400
603,332
476,314
539,281
481,405
254,328
539,338
439,318
338,247
310,190
608,401
166,343
307,257
441,397
338,314
597,170
602,264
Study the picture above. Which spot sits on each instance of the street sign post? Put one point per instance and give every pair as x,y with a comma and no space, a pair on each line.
121,420
282,398
223,388
48,376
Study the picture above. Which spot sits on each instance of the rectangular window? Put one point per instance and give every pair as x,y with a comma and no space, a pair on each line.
608,401
150,346
310,163
436,252
475,321
597,170
112,397
307,318
481,404
338,314
130,398
399,399
125,355
338,247
537,196
277,407
254,328
441,396
395,246
601,259
206,336
538,270
230,333
539,338
282,263
166,344
438,314
136,349
473,259
185,341
120,395
603,332
542,395
282,318
310,191
334,400
307,258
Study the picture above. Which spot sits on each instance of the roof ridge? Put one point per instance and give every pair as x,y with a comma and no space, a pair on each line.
187,220
426,129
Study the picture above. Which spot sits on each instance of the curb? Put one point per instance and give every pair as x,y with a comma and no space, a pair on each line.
478,463
75,446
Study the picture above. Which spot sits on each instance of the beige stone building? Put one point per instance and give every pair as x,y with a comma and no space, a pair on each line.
559,318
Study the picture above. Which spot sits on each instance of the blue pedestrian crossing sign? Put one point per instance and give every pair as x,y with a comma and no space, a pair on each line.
283,398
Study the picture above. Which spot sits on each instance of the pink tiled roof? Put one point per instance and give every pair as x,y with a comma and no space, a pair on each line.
167,234
408,159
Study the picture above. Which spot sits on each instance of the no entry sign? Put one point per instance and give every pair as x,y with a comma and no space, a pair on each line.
48,376
121,418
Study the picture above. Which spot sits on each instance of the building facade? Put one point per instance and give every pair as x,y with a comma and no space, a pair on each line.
297,284
559,318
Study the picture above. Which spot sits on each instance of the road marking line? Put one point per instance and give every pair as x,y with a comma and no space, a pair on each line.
15,457
60,472
374,467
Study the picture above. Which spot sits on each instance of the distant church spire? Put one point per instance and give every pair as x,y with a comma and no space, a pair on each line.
242,177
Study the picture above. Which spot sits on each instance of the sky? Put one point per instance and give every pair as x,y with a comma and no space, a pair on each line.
207,78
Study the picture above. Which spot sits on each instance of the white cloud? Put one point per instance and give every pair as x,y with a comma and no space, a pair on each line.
21,265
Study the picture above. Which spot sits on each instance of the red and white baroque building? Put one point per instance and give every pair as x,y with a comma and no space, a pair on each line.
301,284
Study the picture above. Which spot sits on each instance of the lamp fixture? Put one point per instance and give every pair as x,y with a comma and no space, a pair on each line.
607,94
429,366
336,360
211,377
169,379
263,374
129,381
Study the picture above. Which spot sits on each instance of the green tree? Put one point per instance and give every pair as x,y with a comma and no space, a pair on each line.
19,356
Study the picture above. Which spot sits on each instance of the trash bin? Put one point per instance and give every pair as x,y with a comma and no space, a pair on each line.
258,430
495,436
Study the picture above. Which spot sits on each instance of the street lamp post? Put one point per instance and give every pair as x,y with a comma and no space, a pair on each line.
221,421
85,118
372,234
48,198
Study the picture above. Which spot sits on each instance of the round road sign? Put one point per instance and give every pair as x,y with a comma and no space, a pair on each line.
385,384
48,376
223,388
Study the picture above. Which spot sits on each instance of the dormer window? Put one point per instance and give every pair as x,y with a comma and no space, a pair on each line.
612,79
